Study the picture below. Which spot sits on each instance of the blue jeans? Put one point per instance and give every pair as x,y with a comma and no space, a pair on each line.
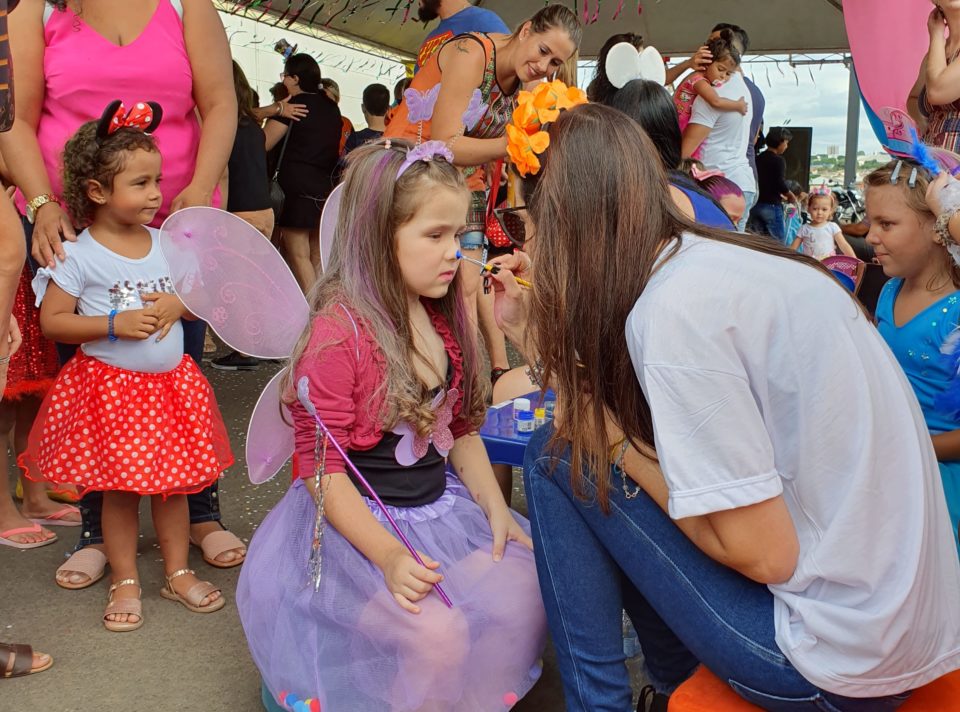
768,219
686,607
204,506
749,200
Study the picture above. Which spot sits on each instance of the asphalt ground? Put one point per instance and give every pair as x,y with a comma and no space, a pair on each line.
178,661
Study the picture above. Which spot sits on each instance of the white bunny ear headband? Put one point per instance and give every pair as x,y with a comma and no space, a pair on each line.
624,64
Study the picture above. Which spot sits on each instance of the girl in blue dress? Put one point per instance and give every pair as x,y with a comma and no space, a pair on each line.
919,308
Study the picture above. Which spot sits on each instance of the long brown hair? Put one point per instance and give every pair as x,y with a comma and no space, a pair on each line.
245,100
603,198
364,277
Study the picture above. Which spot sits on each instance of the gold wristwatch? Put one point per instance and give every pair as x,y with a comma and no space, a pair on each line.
36,204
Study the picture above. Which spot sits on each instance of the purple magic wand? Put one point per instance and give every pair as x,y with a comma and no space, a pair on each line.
303,395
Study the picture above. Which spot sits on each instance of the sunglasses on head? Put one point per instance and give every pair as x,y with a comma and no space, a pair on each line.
512,223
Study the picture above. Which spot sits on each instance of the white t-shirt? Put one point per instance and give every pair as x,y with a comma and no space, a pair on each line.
818,242
725,149
102,281
764,378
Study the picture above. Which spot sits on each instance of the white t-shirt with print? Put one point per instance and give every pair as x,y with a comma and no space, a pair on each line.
745,359
102,280
725,149
819,242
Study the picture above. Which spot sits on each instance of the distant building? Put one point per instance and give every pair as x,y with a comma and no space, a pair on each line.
833,151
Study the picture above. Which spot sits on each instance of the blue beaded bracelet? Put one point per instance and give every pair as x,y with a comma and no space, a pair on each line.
110,335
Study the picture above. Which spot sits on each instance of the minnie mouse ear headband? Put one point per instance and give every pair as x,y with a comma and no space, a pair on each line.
526,134
624,64
144,116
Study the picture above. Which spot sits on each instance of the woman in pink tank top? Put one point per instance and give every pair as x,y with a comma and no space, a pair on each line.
73,57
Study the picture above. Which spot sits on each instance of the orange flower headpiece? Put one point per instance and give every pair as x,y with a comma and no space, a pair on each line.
526,134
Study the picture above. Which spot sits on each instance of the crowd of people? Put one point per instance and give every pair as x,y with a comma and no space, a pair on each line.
713,470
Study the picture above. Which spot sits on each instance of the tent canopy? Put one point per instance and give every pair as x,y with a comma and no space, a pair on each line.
673,26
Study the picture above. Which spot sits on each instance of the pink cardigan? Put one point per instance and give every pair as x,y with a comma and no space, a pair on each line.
345,366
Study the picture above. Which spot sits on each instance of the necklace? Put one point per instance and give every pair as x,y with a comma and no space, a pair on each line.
618,467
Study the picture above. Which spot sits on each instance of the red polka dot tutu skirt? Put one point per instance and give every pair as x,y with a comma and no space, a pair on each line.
105,428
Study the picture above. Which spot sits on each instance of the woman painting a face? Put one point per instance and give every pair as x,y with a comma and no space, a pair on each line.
496,66
702,486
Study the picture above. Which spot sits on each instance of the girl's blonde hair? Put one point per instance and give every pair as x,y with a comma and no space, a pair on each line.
363,276
916,196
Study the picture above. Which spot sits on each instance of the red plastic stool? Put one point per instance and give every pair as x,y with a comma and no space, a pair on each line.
705,692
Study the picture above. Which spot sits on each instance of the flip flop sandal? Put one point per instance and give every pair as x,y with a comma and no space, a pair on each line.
130,606
57,495
216,543
194,597
64,496
21,663
89,561
57,518
5,540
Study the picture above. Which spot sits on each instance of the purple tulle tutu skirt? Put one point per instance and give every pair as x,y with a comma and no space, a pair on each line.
353,648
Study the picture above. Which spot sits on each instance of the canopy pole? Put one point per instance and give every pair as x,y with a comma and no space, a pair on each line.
853,127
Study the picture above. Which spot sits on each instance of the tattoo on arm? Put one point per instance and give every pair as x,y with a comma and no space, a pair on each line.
461,46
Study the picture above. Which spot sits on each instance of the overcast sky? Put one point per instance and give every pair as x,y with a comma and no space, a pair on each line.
819,101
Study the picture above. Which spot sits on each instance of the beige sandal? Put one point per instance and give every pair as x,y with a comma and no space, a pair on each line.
130,606
89,562
194,597
216,543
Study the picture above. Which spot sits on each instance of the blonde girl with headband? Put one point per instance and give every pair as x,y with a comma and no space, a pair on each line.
390,359
821,236
918,312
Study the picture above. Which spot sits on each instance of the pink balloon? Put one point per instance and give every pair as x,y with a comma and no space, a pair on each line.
229,275
328,224
270,440
888,40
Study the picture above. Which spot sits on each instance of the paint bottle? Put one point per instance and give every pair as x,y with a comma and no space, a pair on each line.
549,406
520,405
524,421
539,417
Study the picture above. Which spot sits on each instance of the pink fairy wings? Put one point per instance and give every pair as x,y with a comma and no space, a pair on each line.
230,276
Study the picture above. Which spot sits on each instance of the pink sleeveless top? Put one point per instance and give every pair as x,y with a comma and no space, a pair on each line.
83,72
